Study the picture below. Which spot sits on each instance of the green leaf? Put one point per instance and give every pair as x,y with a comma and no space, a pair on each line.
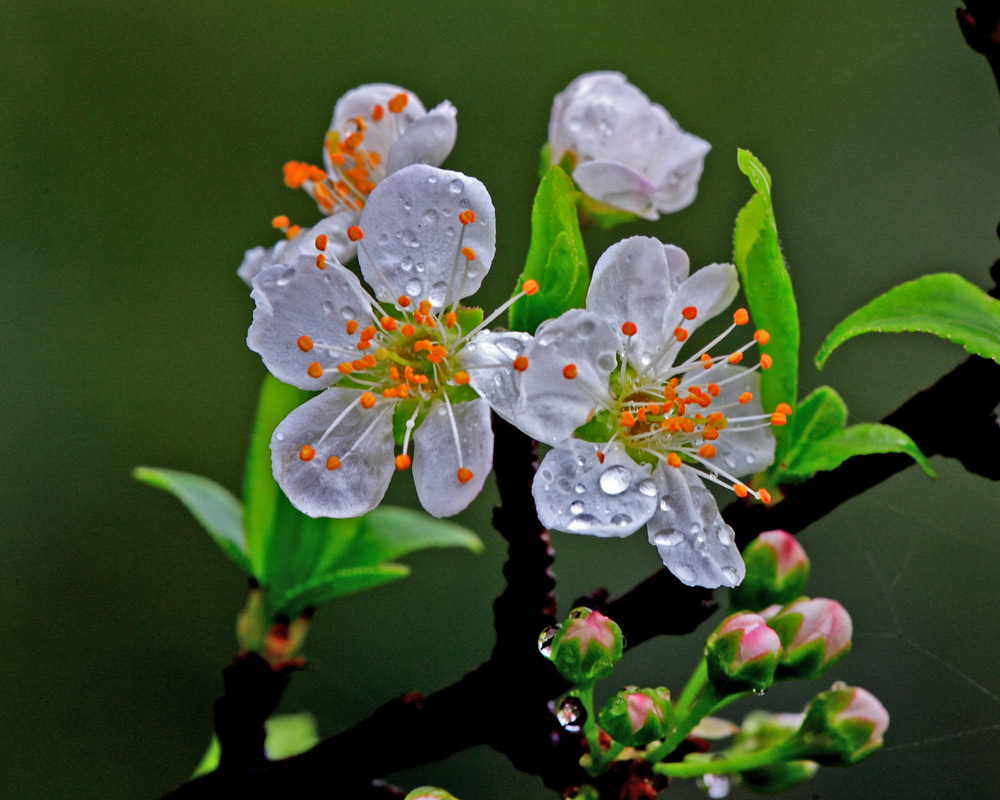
818,441
265,515
388,532
556,257
323,588
287,735
944,304
768,290
212,505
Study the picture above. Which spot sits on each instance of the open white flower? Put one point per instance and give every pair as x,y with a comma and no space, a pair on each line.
627,152
426,239
377,129
613,368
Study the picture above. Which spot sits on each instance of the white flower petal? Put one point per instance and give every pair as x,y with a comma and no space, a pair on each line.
631,283
736,452
552,406
435,456
358,485
709,290
427,140
338,245
617,185
298,299
360,102
693,540
676,169
413,236
575,492
254,260
498,384
679,263
334,227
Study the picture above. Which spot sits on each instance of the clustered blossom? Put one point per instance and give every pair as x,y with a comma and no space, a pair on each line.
626,152
377,129
636,430
401,357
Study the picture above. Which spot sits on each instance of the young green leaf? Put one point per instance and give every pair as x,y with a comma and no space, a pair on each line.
264,514
389,532
212,505
322,588
287,735
768,289
817,439
556,257
944,304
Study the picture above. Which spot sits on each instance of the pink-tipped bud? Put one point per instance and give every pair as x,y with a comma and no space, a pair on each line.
842,726
777,570
815,633
635,717
742,654
587,646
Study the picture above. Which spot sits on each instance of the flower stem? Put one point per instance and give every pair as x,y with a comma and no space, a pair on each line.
692,689
585,691
740,762
602,763
685,723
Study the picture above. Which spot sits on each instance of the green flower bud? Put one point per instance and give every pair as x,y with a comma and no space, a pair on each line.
586,647
777,570
842,726
636,717
742,654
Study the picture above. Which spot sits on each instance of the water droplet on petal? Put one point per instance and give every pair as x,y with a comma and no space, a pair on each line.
645,359
695,528
621,520
582,523
406,264
564,485
731,575
545,640
725,535
286,276
280,437
407,205
328,306
430,215
348,313
436,295
615,480
456,186
577,506
579,488
571,714
684,574
664,505
432,179
586,328
546,474
545,339
580,461
670,539
414,288
648,487
383,239
607,361
730,462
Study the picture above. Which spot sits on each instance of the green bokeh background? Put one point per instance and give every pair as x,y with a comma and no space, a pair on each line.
142,146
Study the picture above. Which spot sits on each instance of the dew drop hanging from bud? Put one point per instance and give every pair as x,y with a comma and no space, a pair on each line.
571,713
545,639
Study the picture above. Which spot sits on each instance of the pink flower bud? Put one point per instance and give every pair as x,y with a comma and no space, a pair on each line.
635,717
842,726
587,646
777,570
742,654
788,552
866,707
815,633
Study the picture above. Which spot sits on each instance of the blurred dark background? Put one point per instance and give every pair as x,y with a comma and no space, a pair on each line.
142,146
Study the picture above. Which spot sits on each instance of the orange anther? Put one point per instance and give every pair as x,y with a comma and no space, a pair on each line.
706,361
627,420
402,461
305,343
354,140
469,253
295,176
321,241
713,389
745,398
352,325
679,405
367,400
777,418
425,306
368,360
680,334
354,233
628,328
316,174
766,361
402,392
735,358
368,333
765,495
669,394
530,286
397,103
315,370
467,217
600,457
569,371
364,344
390,392
407,330
715,418
674,460
762,336
520,363
321,261
402,301
740,316
686,425
450,319
784,408
306,453
653,408
709,433
358,364
641,415
388,323
689,312
337,159
332,463
706,451
461,377
464,475
280,221
345,369
740,489
377,113
292,232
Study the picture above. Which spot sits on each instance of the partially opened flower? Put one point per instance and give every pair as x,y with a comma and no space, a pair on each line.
408,357
636,429
376,130
626,152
